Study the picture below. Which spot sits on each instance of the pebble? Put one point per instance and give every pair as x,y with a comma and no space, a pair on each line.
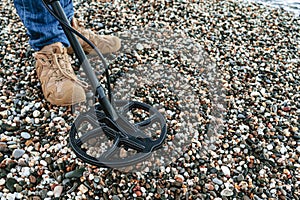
226,192
10,183
2,181
240,177
50,194
25,135
83,189
19,195
11,196
32,179
225,170
36,113
217,181
18,153
44,163
270,147
18,188
75,173
3,147
179,178
58,191
25,171
241,116
139,47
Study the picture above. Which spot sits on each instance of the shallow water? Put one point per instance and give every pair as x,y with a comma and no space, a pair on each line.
290,5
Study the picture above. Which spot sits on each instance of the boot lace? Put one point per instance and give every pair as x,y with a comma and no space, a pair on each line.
57,63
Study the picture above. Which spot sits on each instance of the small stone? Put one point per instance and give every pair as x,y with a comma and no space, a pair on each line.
240,177
177,184
245,197
3,147
19,196
243,185
18,153
168,169
255,94
91,177
28,142
226,192
22,162
139,47
25,171
67,182
44,163
75,173
217,181
269,147
225,170
179,178
36,113
237,150
209,187
2,181
10,183
58,190
262,172
43,193
10,196
25,135
50,194
32,179
28,120
13,146
286,171
83,189
96,179
115,197
37,105
298,149
18,188
283,150
241,116
100,25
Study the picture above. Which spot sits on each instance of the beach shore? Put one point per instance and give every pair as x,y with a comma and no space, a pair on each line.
256,51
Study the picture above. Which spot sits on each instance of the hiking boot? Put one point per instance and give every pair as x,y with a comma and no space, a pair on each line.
105,43
59,83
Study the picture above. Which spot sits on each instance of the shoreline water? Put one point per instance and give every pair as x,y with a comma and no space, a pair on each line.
288,5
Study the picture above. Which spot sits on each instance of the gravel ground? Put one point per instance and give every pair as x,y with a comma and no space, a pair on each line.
255,156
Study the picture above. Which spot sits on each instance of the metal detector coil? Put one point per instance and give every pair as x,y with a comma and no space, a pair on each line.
107,117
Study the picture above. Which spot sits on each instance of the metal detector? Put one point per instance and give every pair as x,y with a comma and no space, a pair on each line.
107,116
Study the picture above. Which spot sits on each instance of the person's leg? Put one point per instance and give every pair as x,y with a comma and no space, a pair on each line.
42,28
59,83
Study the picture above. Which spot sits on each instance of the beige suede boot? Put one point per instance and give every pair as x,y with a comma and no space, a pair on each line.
105,43
60,85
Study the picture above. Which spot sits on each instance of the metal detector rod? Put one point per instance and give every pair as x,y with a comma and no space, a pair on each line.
58,10
84,62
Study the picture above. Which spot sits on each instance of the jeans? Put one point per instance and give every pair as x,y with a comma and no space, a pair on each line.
42,28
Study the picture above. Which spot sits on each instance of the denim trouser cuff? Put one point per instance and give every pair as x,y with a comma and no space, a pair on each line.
42,28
